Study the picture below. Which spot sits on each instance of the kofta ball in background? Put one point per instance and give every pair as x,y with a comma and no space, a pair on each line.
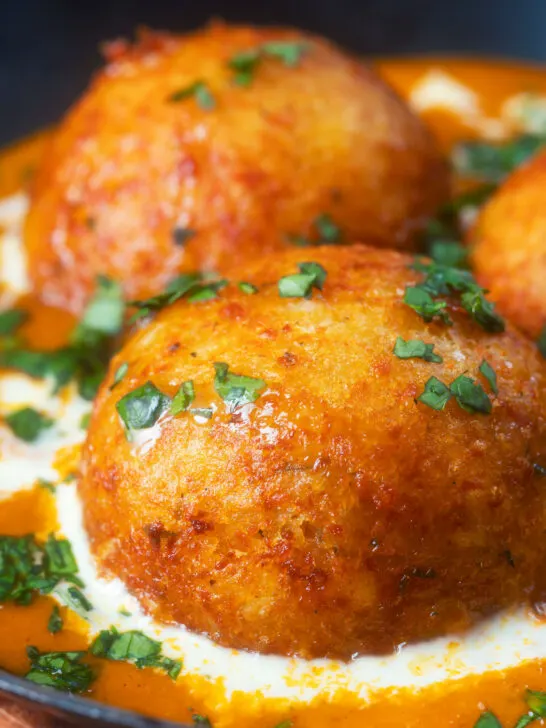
300,500
198,151
509,246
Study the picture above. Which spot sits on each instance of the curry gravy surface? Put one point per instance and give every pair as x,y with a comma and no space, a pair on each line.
456,703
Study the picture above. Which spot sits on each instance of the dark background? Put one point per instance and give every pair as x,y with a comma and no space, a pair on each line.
48,48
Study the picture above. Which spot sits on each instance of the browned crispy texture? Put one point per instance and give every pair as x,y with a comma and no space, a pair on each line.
128,166
510,246
336,515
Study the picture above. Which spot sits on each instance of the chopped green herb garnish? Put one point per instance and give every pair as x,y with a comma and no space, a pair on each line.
245,63
284,724
55,623
46,484
490,162
526,720
435,395
120,372
487,720
59,670
470,395
85,421
28,424
59,558
142,407
78,600
442,280
420,300
329,232
483,311
133,647
236,389
489,373
300,285
247,288
205,412
539,470
11,320
536,700
183,398
195,287
182,235
198,90
85,358
201,720
449,252
289,52
415,349
541,342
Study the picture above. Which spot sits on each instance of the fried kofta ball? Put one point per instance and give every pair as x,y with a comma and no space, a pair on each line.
195,152
294,497
509,246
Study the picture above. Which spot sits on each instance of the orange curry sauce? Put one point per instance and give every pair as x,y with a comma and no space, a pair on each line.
457,703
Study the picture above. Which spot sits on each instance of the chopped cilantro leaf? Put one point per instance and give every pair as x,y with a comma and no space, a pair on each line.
120,372
183,398
289,52
195,287
541,342
415,349
248,288
526,720
198,90
299,285
284,724
449,252
539,470
85,421
236,389
536,700
487,720
59,557
483,311
470,395
78,600
135,647
142,407
59,670
492,162
329,232
28,424
103,315
442,280
489,373
55,622
46,484
201,721
245,63
420,300
11,320
435,395
182,235
205,412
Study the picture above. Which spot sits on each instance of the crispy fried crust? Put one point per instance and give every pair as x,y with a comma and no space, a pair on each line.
336,515
509,251
128,166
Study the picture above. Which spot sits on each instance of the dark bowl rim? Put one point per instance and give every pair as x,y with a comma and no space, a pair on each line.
71,706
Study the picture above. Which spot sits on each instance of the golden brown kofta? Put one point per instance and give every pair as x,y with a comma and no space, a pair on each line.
509,246
138,186
334,514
